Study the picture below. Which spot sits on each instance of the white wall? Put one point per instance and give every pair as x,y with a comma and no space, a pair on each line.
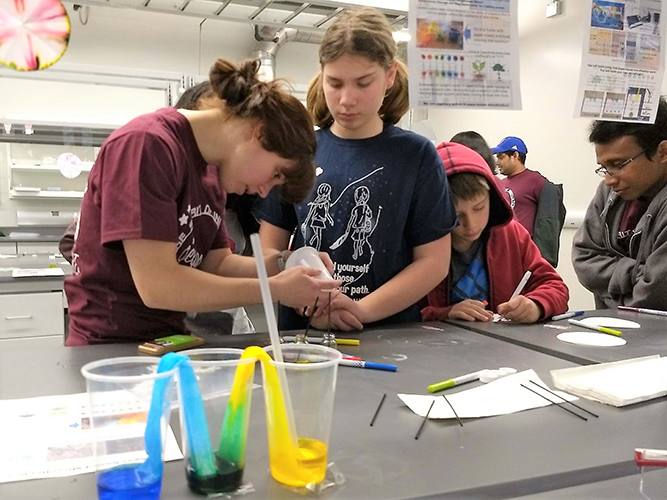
124,38
557,142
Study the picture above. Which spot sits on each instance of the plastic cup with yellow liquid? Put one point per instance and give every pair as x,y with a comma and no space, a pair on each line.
300,459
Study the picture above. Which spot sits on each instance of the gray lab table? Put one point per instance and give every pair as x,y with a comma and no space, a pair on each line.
500,457
623,488
651,338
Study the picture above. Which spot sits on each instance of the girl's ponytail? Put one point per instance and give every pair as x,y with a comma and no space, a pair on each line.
317,104
396,103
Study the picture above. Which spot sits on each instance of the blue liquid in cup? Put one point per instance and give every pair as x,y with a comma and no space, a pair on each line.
121,483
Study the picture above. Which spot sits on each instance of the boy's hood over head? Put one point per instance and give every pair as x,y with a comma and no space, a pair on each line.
457,159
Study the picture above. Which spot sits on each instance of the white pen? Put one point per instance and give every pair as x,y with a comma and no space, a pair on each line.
521,285
454,381
519,288
597,328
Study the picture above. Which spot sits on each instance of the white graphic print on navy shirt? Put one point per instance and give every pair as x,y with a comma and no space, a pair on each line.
361,223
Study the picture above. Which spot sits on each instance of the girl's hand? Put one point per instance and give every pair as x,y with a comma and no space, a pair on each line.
298,287
521,309
471,310
343,302
341,319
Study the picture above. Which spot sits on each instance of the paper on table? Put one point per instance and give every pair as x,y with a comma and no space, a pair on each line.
592,339
611,322
51,437
29,273
500,397
619,383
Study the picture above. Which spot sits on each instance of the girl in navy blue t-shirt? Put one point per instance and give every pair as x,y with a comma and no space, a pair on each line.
381,208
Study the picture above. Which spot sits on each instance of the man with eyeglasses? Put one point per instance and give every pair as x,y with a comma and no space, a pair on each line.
620,251
537,202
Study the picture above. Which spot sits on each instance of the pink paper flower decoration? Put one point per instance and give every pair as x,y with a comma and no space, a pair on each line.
33,33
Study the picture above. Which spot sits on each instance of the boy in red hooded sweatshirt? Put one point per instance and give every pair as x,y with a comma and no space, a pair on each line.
490,253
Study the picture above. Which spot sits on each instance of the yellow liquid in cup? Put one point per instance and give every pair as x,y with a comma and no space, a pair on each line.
290,465
308,465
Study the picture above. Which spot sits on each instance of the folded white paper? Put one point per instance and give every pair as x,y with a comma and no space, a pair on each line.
31,273
499,397
619,383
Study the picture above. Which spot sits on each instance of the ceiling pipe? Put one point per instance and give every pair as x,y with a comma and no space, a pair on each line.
267,47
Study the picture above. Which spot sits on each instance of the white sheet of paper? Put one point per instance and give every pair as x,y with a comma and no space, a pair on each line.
618,383
29,273
500,397
592,339
50,437
611,322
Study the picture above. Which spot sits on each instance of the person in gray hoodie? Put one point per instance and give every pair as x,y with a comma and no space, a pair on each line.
620,251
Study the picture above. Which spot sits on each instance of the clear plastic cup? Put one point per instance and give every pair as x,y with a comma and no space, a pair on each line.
216,371
299,458
128,458
308,257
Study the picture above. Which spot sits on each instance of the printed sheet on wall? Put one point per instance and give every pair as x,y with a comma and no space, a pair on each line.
623,60
464,54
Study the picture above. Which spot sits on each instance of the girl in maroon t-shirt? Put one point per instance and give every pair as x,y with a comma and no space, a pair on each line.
151,242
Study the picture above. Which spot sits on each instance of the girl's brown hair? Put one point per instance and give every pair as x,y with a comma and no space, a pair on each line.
287,127
362,32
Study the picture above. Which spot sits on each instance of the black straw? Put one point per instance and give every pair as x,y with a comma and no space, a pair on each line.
329,322
278,318
425,419
561,397
384,396
310,318
554,403
455,414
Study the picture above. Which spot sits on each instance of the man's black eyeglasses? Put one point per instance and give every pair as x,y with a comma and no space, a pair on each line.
615,169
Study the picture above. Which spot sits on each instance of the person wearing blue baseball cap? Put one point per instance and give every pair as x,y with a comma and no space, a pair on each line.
536,201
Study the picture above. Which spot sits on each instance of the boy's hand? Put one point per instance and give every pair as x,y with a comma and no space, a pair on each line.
470,310
521,309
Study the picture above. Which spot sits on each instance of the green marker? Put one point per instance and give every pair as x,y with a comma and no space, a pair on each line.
453,382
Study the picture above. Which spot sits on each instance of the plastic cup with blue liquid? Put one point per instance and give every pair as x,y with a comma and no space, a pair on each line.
130,406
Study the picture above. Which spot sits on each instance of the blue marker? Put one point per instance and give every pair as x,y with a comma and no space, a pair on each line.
566,315
368,364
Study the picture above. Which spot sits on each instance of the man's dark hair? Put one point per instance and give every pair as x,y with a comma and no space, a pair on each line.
510,152
647,135
477,143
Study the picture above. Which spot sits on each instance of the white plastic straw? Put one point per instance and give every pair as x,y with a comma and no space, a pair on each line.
266,297
273,333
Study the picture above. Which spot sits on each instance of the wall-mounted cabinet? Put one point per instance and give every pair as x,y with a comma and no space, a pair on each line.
47,170
51,162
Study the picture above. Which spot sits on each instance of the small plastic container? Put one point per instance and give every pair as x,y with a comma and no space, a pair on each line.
308,257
